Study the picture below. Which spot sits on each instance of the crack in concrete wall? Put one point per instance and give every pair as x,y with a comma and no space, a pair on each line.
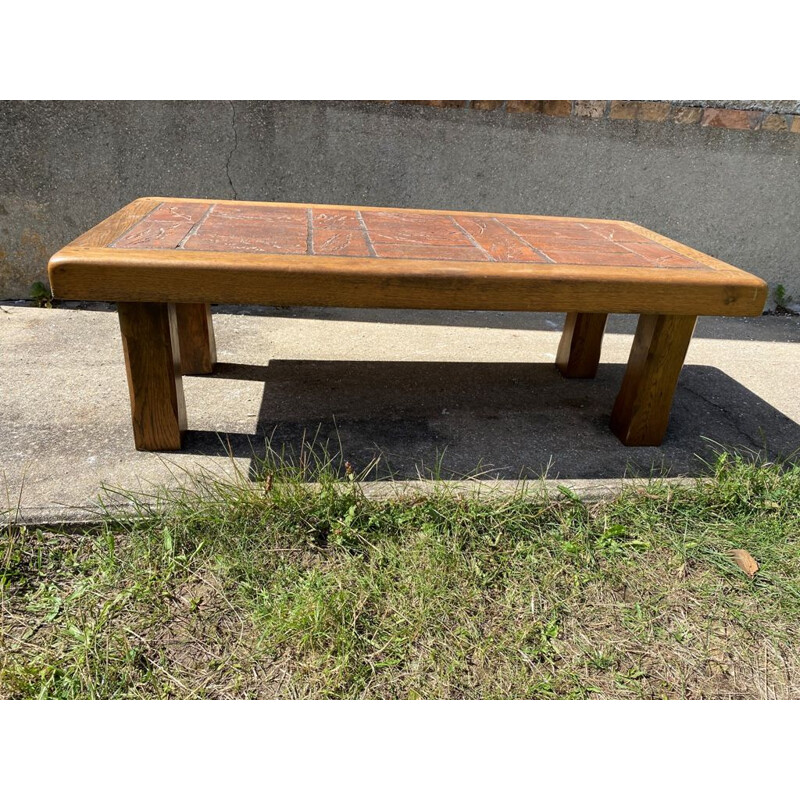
233,149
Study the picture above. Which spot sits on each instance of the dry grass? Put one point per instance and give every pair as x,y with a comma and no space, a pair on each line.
287,591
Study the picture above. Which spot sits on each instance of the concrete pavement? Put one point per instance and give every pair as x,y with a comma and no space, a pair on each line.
469,391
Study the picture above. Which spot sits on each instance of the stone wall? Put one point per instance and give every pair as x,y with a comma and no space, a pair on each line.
721,176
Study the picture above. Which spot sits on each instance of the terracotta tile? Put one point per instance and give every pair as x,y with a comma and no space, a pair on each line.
247,244
648,248
174,212
391,228
252,227
448,238
329,242
616,232
287,217
498,241
677,262
153,234
534,235
434,252
591,257
551,230
586,245
404,220
514,251
335,219
657,253
544,245
534,223
608,253
537,238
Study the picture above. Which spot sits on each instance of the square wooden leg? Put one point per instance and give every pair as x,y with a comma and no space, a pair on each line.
641,411
579,348
196,334
152,360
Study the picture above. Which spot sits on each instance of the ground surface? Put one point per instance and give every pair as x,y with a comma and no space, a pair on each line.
420,391
286,590
288,577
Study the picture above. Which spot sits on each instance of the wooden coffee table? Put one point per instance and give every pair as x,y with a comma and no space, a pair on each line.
165,260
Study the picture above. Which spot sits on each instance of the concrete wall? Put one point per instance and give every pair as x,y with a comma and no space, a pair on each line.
66,166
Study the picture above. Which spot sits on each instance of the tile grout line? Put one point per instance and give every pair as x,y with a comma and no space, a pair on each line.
651,259
195,227
366,234
472,239
113,242
310,232
656,238
525,242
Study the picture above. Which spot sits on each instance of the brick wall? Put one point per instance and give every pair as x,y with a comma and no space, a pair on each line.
780,116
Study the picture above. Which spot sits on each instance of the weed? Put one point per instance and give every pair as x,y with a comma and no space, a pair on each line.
783,301
41,295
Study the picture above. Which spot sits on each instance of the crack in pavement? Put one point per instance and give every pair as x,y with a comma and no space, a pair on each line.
727,414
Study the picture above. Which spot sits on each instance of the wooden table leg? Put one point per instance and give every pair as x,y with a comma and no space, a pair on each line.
196,335
579,348
641,411
152,360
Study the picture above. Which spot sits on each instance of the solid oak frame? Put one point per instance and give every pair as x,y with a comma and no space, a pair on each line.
165,298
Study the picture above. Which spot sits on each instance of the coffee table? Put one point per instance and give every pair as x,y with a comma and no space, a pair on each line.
165,260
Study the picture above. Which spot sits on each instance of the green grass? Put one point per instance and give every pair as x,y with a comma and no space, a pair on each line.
284,589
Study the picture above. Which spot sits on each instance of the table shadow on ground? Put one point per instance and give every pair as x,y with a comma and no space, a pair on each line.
503,420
